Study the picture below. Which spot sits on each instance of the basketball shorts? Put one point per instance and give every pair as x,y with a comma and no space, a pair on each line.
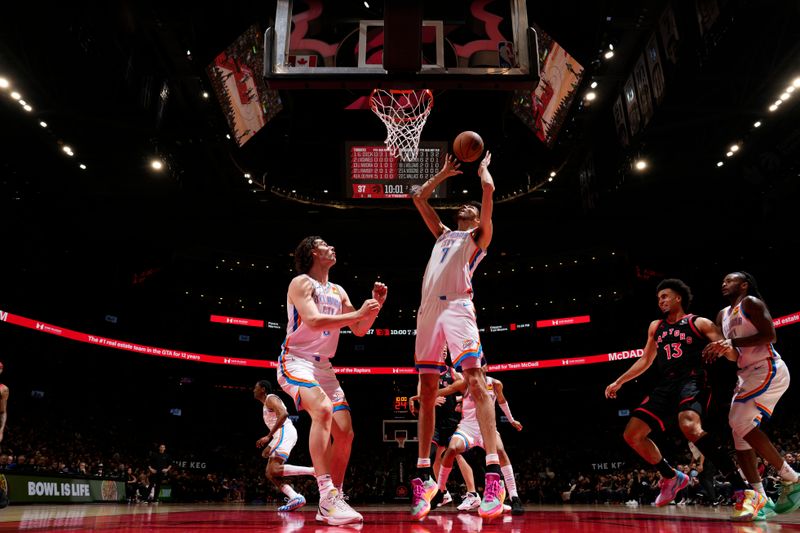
450,322
469,431
282,442
685,393
296,373
758,389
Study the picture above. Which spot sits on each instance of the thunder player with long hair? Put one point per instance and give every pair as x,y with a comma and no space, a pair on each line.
762,379
447,315
676,344
317,310
278,444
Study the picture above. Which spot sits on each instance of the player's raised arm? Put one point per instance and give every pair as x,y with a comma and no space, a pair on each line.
638,368
486,228
300,295
421,194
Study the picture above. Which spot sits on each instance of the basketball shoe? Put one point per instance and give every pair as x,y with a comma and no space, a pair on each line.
294,503
670,488
422,492
747,504
446,498
766,512
471,501
789,500
493,497
333,510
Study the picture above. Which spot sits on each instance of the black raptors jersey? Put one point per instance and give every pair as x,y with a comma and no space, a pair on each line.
679,347
448,408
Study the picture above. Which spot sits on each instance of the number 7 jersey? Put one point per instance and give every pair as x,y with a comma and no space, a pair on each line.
454,258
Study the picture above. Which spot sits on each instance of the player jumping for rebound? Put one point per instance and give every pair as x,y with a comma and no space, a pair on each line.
278,444
447,315
676,343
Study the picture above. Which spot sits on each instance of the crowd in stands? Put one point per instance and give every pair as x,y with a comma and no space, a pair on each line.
378,473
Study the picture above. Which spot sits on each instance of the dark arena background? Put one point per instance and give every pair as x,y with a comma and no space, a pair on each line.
157,172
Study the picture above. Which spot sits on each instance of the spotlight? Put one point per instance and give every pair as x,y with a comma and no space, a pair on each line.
553,174
609,54
720,163
43,124
757,124
4,84
591,95
155,164
641,164
796,82
83,167
773,107
15,95
593,85
205,94
734,148
27,108
728,154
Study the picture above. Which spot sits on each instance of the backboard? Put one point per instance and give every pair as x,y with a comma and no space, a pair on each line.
393,428
401,44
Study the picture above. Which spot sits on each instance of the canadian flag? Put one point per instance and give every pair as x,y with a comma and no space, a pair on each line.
303,61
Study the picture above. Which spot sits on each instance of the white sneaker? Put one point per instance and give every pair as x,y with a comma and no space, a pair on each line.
471,501
333,510
506,508
445,499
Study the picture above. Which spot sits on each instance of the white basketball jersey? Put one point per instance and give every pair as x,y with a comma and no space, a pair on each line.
271,417
309,343
736,324
453,260
469,411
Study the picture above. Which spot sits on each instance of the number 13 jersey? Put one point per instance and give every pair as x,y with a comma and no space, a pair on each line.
679,347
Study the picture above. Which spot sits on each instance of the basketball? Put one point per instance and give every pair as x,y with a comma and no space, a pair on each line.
468,146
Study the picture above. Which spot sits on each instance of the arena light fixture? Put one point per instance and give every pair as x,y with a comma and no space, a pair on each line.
43,124
27,108
4,83
790,89
609,54
549,179
720,163
590,96
728,153
205,94
593,85
23,103
15,95
83,167
641,164
757,124
796,82
773,107
156,164
553,174
785,96
734,148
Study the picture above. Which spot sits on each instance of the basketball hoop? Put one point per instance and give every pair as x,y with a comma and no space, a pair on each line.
404,113
401,435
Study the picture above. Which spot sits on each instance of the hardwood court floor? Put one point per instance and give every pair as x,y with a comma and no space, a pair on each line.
199,518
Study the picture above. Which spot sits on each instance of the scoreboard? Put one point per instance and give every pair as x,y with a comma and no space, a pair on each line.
372,172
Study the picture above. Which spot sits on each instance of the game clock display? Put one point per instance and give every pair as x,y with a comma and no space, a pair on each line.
372,172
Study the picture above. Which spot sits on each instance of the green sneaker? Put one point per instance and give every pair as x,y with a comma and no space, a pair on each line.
766,512
789,500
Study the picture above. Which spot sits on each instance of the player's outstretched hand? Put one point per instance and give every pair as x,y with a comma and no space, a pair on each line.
516,424
611,390
450,167
379,291
260,443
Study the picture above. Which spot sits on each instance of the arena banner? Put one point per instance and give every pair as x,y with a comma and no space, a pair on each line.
608,357
26,488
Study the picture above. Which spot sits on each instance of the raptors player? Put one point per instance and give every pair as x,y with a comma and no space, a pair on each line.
675,343
447,315
317,310
278,444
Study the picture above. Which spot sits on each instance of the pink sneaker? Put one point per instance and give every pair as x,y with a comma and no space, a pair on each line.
493,496
422,492
670,487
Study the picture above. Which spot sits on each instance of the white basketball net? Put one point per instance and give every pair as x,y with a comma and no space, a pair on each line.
404,113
